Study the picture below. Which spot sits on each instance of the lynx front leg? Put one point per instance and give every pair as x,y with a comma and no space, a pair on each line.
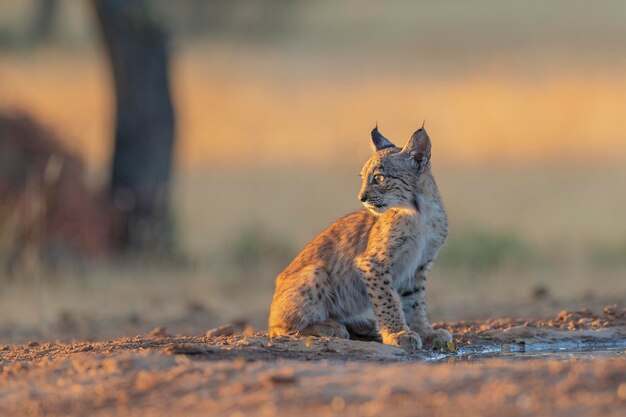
414,306
387,306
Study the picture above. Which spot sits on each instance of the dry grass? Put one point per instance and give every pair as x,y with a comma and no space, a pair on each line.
223,213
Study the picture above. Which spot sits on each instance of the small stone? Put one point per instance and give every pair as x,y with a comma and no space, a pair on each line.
562,315
239,363
158,332
540,292
614,311
226,330
337,404
248,331
189,349
33,344
282,379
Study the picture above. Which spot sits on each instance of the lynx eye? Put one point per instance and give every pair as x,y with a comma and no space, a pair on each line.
379,179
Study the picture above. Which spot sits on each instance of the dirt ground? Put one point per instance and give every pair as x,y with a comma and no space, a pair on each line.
248,374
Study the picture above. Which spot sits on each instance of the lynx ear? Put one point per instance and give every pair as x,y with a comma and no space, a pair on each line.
418,149
379,141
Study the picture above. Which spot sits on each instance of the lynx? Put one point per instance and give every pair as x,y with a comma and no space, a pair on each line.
365,275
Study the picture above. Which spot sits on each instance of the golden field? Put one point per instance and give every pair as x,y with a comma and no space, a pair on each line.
541,156
240,108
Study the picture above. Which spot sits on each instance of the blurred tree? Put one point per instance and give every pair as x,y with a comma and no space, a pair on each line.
43,22
144,133
254,20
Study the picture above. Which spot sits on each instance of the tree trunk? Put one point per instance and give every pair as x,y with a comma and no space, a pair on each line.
43,22
144,131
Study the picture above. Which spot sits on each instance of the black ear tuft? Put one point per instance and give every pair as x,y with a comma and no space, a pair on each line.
380,142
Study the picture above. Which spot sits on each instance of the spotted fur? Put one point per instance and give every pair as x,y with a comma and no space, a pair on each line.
366,273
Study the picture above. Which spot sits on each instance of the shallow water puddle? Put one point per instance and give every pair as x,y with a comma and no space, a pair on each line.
549,354
565,350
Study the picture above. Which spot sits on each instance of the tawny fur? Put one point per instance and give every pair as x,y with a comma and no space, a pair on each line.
366,273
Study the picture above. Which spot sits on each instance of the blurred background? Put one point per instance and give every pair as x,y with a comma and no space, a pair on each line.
161,162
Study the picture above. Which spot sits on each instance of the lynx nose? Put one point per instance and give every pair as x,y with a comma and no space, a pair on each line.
362,196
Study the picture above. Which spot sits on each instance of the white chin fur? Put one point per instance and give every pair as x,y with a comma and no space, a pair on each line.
381,210
375,210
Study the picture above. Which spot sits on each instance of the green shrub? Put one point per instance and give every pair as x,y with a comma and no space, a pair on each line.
607,255
482,250
254,246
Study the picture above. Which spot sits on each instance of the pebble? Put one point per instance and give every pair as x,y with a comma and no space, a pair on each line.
226,330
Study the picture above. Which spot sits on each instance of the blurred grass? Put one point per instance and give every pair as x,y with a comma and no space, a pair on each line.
481,250
607,254
254,246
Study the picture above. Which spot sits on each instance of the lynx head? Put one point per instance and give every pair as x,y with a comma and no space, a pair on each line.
392,176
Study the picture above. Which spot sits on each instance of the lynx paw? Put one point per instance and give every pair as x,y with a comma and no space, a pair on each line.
327,328
407,340
438,338
364,329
